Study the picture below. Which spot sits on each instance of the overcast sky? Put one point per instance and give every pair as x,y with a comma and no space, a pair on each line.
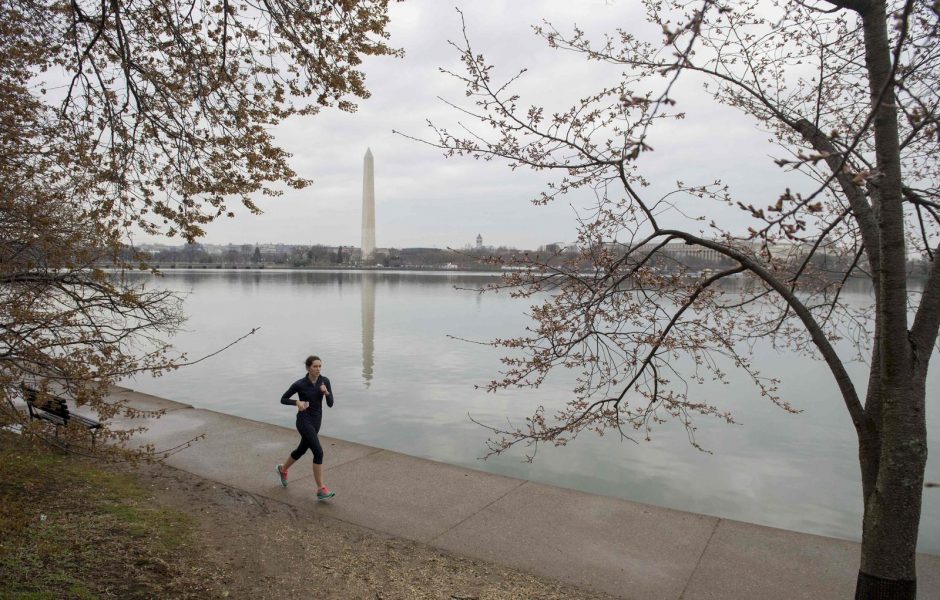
424,199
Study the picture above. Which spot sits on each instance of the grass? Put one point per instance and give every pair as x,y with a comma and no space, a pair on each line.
73,528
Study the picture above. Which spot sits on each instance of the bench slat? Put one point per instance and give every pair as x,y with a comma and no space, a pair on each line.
51,417
90,423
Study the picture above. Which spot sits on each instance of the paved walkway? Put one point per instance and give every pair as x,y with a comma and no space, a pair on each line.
630,550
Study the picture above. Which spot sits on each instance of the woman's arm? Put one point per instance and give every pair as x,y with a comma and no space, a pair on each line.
329,388
286,398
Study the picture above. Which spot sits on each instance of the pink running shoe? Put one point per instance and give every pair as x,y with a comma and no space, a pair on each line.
282,474
324,492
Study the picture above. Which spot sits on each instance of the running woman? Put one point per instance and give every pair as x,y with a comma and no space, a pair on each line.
310,390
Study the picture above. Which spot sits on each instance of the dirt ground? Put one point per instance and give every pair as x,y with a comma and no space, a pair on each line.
252,547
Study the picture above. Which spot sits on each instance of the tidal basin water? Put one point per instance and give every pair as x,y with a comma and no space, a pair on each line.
402,384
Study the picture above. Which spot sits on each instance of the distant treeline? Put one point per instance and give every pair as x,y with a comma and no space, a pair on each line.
487,258
282,255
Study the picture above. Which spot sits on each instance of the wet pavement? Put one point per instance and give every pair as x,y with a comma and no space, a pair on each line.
627,549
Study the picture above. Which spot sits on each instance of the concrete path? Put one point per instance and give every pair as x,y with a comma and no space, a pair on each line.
630,550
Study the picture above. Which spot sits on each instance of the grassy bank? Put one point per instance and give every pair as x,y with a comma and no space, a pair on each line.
73,528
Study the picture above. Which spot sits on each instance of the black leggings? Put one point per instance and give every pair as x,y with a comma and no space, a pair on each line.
309,427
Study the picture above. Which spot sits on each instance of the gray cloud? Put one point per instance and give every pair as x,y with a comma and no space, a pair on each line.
423,199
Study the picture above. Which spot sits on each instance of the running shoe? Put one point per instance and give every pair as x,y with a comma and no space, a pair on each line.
282,474
324,492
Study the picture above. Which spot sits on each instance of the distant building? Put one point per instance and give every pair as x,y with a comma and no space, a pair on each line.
270,250
479,241
683,252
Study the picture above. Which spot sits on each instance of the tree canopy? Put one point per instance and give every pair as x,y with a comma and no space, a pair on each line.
124,117
848,92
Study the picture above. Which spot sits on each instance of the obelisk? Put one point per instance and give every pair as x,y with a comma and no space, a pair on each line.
368,207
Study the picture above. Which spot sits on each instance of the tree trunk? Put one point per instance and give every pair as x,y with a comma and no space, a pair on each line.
892,508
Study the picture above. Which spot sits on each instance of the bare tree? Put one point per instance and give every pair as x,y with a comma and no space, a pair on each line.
848,90
150,116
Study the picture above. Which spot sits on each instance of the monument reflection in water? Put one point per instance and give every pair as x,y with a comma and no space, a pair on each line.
410,388
367,295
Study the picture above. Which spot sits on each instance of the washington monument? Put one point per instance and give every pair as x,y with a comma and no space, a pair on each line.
368,207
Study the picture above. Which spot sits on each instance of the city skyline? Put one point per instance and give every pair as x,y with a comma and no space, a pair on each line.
169,244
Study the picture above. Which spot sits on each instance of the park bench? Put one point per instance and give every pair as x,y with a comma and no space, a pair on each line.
55,410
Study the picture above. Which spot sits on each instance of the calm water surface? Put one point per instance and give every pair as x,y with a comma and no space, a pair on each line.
402,384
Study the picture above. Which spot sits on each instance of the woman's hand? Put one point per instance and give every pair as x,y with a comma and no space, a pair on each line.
323,389
302,406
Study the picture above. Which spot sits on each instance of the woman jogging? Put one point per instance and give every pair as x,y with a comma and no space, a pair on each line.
310,390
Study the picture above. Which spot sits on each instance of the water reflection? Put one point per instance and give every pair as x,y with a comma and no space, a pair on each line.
367,294
409,387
